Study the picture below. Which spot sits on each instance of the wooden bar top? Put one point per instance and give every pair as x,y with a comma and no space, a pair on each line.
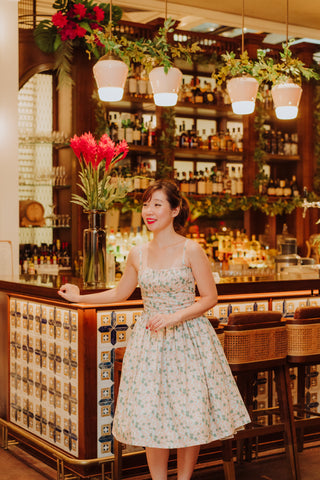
46,286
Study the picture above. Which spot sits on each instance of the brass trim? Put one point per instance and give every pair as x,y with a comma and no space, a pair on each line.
60,457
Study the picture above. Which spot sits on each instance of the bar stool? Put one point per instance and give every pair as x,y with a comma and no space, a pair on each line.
255,342
304,351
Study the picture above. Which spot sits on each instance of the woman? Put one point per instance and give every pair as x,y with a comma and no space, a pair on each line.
176,390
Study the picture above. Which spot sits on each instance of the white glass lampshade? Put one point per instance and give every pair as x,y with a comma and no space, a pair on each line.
243,107
165,86
110,75
286,99
242,92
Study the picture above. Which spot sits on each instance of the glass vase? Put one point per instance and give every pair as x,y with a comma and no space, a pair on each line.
94,250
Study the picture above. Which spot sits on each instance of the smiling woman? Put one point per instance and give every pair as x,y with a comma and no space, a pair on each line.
173,358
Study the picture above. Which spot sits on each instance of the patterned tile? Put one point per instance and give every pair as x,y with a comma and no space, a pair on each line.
44,372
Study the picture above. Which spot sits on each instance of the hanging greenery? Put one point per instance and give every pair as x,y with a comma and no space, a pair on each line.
259,155
166,143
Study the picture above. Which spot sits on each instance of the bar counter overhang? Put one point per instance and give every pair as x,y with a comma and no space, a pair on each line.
57,359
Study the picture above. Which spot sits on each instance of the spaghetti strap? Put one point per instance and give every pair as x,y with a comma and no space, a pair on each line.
184,252
140,257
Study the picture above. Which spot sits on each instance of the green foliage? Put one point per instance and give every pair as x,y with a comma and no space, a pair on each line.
147,52
166,144
219,206
234,67
269,71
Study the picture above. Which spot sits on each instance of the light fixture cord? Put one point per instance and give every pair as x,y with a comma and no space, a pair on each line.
165,9
242,27
110,18
287,22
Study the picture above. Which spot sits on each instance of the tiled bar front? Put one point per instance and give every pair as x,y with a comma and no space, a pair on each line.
61,364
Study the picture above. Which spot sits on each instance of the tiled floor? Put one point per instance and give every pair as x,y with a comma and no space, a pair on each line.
16,464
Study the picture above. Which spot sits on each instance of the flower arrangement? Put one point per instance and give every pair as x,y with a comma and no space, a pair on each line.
101,187
68,28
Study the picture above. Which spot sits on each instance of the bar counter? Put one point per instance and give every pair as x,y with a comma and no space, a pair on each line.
57,359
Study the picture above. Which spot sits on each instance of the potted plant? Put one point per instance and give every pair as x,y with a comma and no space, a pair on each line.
68,29
240,77
155,55
286,79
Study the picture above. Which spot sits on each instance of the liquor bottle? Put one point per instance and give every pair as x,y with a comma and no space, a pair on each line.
223,143
294,144
271,188
201,184
205,141
193,139
287,191
192,183
213,178
239,181
151,134
114,129
184,143
137,131
294,187
214,143
129,131
184,185
229,141
219,182
239,146
143,135
208,95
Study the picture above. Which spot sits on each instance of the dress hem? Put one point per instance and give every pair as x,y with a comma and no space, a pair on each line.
184,445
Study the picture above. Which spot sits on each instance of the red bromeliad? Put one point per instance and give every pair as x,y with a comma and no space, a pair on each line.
97,158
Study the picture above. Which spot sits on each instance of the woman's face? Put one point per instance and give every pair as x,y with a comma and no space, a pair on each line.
157,213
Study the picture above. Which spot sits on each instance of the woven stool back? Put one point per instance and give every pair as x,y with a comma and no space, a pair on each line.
304,335
255,338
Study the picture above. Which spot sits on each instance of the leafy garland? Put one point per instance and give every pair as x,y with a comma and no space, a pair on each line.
166,143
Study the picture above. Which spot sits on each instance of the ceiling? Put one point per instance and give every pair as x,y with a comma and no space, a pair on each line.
207,15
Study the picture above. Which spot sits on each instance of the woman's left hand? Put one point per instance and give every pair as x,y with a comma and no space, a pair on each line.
161,320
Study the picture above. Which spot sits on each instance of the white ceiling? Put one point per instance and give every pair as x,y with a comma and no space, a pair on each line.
259,15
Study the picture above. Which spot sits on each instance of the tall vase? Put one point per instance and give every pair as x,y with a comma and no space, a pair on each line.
94,250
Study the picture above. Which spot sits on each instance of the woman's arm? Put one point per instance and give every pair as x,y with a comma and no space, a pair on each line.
202,273
121,292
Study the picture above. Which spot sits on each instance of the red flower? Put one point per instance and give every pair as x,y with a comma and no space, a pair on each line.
80,31
122,149
80,9
85,148
99,13
59,20
106,150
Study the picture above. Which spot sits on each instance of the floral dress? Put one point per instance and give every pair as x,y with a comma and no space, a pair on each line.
176,387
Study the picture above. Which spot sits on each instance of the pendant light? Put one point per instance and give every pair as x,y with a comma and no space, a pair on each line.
286,95
165,85
242,90
110,74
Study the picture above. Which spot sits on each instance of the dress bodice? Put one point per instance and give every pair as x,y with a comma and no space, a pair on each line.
168,289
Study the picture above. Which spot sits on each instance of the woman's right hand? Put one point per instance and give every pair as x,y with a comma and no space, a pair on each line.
70,292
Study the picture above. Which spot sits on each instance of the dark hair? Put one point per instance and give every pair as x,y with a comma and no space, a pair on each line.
174,198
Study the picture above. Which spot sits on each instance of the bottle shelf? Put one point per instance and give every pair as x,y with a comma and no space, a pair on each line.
282,158
208,154
142,149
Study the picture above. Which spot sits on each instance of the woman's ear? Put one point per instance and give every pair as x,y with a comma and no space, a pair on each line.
175,211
